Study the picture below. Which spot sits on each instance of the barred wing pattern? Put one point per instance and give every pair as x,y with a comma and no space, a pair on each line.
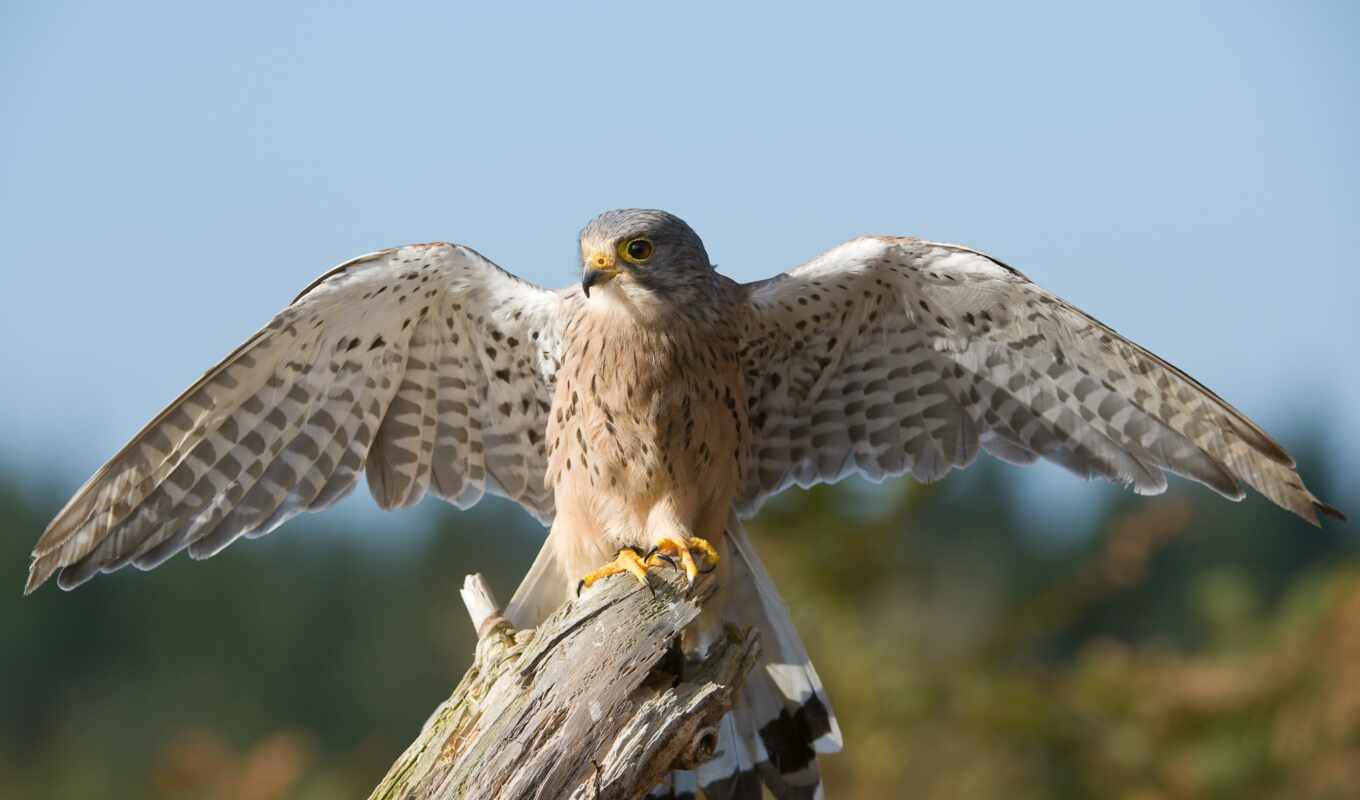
427,366
892,355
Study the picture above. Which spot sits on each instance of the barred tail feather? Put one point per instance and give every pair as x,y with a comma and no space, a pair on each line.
782,719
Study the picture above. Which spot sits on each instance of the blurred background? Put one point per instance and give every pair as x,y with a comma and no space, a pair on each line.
171,174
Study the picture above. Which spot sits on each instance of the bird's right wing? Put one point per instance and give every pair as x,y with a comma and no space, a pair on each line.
427,366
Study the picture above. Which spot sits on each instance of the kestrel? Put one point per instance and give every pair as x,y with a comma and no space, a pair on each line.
646,411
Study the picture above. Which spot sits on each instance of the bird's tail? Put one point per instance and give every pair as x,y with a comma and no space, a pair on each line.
545,587
782,719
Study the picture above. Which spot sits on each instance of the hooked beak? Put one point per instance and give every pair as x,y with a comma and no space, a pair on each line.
600,269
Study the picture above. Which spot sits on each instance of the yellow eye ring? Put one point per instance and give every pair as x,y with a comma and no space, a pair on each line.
636,251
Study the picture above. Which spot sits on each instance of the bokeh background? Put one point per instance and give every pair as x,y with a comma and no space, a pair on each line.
170,174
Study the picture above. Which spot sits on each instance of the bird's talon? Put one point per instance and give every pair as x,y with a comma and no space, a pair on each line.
671,551
704,547
654,557
669,548
628,560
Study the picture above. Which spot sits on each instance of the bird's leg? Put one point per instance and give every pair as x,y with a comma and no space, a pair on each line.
669,548
628,560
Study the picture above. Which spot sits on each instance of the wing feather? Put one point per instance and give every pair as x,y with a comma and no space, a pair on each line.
400,457
890,355
401,363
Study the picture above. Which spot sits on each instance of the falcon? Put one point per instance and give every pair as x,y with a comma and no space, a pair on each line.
643,413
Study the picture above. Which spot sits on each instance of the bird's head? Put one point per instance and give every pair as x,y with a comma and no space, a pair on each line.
643,254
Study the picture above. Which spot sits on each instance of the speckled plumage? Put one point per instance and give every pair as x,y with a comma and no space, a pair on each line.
665,402
648,434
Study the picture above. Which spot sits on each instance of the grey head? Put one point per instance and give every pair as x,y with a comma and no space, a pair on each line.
644,254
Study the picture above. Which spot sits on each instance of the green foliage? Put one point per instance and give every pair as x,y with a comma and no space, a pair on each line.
1183,647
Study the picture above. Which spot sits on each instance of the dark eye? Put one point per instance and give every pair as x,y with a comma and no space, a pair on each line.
637,250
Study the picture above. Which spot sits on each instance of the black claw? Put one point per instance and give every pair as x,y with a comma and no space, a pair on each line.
579,586
656,551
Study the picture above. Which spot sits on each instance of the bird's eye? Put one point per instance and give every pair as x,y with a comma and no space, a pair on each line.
636,251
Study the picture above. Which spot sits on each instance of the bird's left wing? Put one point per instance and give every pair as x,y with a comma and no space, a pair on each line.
889,355
426,366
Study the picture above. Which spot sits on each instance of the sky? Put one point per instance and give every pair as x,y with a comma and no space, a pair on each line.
171,174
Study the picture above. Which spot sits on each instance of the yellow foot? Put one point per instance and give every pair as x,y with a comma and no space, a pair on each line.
628,560
667,549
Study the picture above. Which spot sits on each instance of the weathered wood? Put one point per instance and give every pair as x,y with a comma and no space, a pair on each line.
481,604
577,708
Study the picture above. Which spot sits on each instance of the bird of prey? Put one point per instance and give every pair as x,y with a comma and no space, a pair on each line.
644,412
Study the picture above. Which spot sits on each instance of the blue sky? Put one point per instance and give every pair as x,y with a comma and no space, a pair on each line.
171,174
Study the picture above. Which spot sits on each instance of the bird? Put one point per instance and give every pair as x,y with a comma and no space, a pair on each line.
643,413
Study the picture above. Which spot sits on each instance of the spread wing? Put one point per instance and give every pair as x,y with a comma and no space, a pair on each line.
427,366
892,355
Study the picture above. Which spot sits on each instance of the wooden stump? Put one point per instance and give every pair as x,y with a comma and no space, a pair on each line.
577,708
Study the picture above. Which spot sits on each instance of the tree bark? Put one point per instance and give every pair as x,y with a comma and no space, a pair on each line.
594,703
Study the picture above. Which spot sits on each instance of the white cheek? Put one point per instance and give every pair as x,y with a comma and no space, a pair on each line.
609,297
640,299
623,298
611,302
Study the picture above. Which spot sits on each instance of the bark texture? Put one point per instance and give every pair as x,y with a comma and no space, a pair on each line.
594,703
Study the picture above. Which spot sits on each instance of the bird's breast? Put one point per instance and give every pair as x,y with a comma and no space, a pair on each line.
642,417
